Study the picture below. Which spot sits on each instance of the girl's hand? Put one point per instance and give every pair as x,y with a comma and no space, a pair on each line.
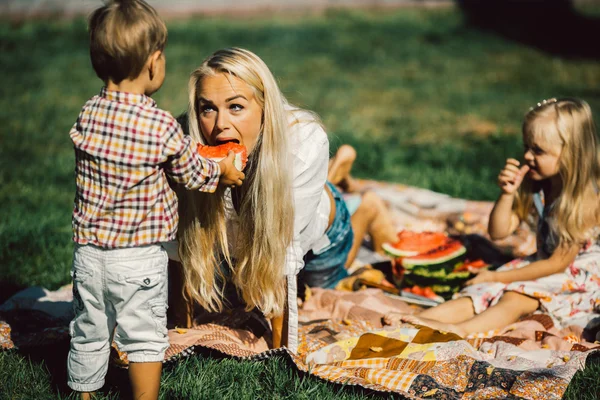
482,276
511,176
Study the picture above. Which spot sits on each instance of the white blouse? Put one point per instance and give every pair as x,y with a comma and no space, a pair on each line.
309,146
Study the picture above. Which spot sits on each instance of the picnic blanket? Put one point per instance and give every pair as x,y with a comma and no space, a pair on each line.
341,337
342,340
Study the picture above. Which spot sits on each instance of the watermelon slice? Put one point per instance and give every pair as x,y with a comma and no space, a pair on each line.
449,251
413,243
219,153
436,268
467,265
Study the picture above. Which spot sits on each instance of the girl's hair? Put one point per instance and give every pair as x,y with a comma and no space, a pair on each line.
567,122
266,213
123,34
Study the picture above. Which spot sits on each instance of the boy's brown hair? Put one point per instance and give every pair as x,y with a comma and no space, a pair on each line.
123,34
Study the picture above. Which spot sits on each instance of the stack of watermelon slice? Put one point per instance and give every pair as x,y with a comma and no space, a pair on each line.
432,259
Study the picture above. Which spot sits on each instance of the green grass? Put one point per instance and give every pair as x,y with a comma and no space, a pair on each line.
199,377
425,100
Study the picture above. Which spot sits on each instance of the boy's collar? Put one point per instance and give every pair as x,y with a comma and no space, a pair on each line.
127,98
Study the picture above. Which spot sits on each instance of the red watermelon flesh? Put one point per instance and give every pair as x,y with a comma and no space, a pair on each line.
413,243
468,265
448,251
219,153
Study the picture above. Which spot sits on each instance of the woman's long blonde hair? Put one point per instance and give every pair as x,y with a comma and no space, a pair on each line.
266,213
569,123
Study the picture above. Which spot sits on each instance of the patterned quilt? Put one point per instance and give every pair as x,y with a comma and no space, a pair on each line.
342,339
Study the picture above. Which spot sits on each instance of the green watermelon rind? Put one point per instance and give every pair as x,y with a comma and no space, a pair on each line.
391,250
438,273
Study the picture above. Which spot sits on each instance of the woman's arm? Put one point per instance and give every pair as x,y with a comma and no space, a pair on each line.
562,257
279,328
310,152
182,309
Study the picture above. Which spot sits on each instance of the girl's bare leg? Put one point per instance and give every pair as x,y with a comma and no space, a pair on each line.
509,309
450,312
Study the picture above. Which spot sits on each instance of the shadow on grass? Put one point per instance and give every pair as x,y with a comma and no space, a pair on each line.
54,359
552,26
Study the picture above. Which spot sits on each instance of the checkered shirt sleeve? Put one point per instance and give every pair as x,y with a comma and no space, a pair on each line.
125,147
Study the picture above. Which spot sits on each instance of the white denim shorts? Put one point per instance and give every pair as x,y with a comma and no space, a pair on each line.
122,288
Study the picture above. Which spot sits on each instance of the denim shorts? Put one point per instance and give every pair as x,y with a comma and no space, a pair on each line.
124,289
327,268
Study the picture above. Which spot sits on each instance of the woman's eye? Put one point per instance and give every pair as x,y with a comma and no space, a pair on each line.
236,107
206,109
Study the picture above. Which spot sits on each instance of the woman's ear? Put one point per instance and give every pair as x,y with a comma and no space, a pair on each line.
153,64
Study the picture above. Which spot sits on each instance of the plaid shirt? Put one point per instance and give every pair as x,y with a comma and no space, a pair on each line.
124,149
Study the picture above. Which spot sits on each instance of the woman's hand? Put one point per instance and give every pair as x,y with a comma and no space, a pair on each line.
482,276
511,176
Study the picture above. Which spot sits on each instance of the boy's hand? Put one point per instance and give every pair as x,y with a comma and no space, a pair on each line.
230,176
511,176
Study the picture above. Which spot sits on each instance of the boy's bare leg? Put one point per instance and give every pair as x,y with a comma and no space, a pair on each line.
145,380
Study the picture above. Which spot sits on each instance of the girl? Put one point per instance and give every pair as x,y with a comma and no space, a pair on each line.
559,180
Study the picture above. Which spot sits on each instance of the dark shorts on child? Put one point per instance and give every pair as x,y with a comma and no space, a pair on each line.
326,268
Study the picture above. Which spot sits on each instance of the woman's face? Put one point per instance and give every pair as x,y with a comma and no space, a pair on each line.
228,111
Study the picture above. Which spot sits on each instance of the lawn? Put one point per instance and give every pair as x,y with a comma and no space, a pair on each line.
425,99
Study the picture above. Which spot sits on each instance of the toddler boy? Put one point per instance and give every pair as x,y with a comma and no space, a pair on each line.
125,147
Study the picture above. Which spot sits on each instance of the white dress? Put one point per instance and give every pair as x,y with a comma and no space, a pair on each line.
570,297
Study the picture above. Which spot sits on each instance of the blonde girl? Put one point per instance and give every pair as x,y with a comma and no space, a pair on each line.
559,181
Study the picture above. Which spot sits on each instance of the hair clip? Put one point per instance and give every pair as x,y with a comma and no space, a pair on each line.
543,103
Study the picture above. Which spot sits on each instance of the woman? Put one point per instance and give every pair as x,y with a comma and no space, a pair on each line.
258,236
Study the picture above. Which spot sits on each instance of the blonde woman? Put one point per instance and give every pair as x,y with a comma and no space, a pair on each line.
558,180
256,236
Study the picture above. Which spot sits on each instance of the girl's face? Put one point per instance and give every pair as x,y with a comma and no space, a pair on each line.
228,111
542,157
